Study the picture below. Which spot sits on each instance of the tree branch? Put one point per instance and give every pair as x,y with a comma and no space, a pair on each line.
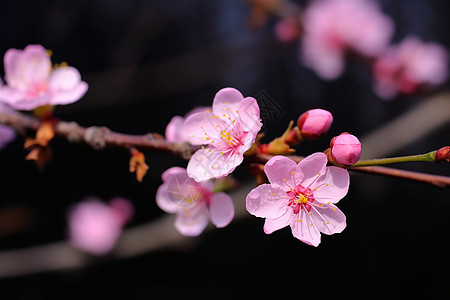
102,137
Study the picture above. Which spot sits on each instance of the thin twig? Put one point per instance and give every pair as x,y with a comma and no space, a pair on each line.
436,180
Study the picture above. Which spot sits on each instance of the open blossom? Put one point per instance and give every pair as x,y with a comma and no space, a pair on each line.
228,129
404,67
195,203
31,81
95,226
302,196
332,27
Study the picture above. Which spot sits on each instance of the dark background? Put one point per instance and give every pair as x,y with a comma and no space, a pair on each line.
146,61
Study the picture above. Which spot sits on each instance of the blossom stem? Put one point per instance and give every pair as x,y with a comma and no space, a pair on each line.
101,137
427,157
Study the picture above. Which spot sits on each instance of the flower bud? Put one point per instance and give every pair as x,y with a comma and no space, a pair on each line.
315,123
345,149
443,154
293,137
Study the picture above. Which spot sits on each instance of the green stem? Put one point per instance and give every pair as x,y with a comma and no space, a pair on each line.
427,157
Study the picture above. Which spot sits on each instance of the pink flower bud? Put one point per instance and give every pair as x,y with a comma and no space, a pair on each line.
345,149
315,123
443,154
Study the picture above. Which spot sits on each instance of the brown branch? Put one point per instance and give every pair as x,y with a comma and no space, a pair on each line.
436,180
102,137
98,137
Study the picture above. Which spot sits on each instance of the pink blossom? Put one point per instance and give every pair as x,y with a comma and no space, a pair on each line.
302,196
332,27
194,202
345,149
31,81
405,67
95,226
175,132
315,123
228,129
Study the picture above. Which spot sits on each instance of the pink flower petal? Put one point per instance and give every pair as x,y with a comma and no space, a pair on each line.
192,222
266,201
93,227
164,201
333,186
202,127
184,192
226,101
26,67
328,219
20,100
305,230
64,78
168,201
328,64
169,173
312,166
69,96
11,96
175,130
282,221
221,209
249,115
212,163
7,134
66,86
279,170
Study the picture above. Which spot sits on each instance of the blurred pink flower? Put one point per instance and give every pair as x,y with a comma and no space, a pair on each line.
193,202
175,132
332,27
229,129
314,123
302,196
95,226
7,134
405,67
31,81
345,148
287,30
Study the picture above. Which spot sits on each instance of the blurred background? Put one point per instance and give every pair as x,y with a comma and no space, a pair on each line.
146,61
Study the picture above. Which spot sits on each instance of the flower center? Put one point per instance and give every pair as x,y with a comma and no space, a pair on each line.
300,198
228,138
36,89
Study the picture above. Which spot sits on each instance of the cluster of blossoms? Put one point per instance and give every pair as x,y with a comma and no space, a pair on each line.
405,67
225,132
334,28
300,195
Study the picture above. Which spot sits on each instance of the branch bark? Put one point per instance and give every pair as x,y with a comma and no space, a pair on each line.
102,137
